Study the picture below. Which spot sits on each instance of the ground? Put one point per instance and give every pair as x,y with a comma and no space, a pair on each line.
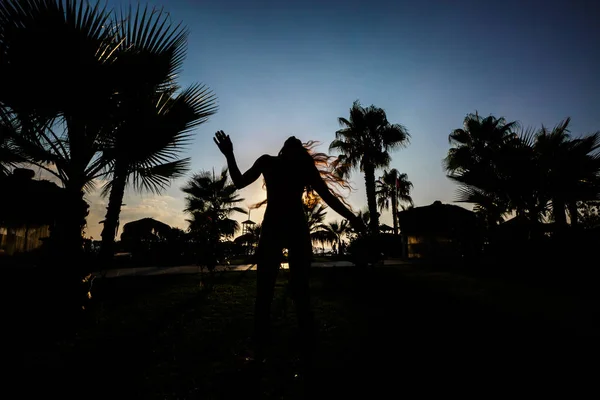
389,332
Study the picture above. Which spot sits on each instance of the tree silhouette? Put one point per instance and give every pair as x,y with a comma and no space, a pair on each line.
339,229
211,200
393,188
570,169
528,173
62,117
474,162
152,119
364,142
314,209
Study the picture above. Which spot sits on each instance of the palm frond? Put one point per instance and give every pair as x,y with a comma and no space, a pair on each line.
157,177
147,37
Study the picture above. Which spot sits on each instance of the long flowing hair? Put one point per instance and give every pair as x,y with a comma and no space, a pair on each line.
323,162
306,158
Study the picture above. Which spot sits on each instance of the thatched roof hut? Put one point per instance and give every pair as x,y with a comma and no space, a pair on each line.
439,230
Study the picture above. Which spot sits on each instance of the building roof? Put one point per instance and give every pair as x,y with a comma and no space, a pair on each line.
145,228
437,219
25,200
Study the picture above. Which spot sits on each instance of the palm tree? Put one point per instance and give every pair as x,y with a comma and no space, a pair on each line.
552,151
478,142
364,142
314,209
62,117
570,169
339,229
502,171
151,123
393,187
211,200
254,236
476,162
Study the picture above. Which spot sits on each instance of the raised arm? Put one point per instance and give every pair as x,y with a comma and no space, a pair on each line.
239,180
319,185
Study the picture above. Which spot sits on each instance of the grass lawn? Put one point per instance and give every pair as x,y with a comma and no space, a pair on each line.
388,333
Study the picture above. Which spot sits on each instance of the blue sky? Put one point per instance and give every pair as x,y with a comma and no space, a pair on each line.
282,68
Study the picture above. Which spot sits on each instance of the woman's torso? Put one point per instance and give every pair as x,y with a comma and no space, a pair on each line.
285,184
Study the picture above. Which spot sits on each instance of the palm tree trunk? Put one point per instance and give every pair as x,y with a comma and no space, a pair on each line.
371,199
395,209
65,282
113,211
66,234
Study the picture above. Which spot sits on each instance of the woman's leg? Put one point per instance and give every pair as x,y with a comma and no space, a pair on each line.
268,263
265,287
299,261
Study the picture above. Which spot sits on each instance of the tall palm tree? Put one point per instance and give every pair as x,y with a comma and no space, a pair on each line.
211,200
364,142
62,117
393,188
151,122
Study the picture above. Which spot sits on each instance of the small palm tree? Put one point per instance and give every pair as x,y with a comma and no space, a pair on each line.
254,235
393,187
314,209
364,142
339,229
211,200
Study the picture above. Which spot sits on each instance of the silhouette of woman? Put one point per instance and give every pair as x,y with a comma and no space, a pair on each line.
284,226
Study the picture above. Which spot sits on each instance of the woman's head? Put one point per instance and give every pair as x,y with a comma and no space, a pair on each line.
293,149
303,159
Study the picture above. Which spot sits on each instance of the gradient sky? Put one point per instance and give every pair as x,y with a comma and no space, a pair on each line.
282,68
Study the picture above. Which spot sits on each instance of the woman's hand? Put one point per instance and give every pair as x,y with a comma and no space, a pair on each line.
224,143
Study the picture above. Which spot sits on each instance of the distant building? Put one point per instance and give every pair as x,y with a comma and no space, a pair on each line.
145,230
28,210
439,231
